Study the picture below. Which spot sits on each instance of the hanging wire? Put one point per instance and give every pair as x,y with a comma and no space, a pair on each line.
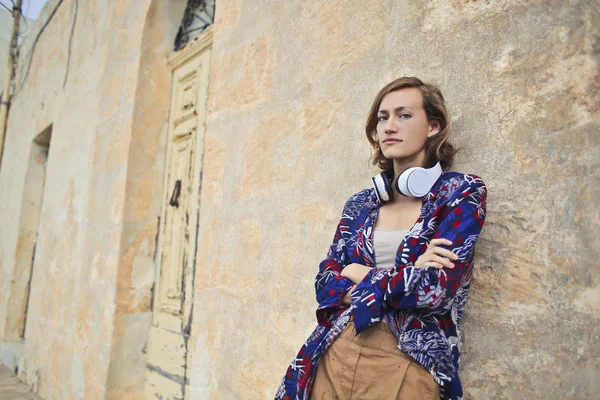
71,42
5,6
37,37
23,19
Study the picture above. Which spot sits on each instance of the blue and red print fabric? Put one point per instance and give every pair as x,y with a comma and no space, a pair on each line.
422,306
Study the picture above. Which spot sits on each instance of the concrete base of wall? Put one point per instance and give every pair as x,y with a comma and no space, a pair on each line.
12,388
11,355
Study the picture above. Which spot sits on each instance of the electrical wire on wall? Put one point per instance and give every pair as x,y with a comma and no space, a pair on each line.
10,69
21,32
8,93
71,42
31,53
39,34
5,6
23,19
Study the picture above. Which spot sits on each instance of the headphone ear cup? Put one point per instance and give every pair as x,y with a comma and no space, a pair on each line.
388,187
417,181
401,184
382,186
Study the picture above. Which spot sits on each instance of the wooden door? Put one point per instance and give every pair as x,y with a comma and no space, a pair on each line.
166,376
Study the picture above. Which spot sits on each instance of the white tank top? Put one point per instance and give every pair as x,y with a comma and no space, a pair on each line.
386,243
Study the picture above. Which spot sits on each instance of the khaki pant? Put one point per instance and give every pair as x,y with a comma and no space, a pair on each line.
370,367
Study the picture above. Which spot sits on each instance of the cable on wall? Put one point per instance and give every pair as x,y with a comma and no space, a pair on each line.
71,42
37,38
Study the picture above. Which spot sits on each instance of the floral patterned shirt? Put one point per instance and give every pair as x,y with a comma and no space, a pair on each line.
423,306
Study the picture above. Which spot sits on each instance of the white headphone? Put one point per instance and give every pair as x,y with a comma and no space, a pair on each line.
414,182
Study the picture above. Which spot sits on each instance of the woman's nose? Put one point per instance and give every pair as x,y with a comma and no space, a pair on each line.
390,125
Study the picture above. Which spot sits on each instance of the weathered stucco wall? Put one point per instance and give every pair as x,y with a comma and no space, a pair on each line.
290,88
89,310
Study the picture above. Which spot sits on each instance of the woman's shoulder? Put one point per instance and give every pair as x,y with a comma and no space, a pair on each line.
363,196
454,183
461,180
358,201
461,177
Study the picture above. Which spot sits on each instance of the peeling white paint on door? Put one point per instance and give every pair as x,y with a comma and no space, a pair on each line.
167,375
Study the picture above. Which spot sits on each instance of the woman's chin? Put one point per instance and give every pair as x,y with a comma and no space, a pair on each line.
397,156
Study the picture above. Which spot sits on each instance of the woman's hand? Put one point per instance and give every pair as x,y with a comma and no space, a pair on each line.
347,299
355,272
436,256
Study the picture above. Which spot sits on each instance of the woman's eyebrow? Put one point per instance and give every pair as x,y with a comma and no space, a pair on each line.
396,109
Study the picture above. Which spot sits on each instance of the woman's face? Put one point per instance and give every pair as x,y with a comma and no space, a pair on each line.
403,128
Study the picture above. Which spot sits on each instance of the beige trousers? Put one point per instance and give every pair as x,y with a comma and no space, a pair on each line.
370,367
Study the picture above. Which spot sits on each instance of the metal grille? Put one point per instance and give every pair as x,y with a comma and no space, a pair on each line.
198,15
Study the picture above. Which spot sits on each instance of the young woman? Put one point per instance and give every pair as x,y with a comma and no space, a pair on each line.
393,286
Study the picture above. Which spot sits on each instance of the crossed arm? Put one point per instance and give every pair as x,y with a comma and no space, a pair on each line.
435,256
413,284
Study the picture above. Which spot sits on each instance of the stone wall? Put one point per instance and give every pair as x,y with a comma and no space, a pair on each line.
291,83
89,309
290,89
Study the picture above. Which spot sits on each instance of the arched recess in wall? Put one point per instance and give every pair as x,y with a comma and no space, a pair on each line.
136,270
167,350
170,24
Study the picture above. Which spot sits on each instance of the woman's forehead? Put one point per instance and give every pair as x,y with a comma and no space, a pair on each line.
407,98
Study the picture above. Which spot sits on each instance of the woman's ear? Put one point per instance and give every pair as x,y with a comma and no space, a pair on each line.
434,128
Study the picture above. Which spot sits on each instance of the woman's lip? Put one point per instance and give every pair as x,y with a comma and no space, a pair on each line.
392,141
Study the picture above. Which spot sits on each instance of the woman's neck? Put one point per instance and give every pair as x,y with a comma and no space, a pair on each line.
399,199
399,167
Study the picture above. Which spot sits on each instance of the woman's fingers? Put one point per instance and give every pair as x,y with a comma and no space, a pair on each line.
432,264
440,241
437,256
440,251
434,248
442,260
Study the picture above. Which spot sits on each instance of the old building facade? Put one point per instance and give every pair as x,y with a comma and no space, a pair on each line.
156,203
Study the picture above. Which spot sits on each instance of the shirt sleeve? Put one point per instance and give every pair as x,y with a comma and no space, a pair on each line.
330,286
429,289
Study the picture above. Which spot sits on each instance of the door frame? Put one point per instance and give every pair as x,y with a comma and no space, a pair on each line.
202,44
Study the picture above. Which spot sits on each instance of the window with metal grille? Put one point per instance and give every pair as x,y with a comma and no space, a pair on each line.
198,15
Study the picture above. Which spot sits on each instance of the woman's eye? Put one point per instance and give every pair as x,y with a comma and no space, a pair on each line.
401,116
